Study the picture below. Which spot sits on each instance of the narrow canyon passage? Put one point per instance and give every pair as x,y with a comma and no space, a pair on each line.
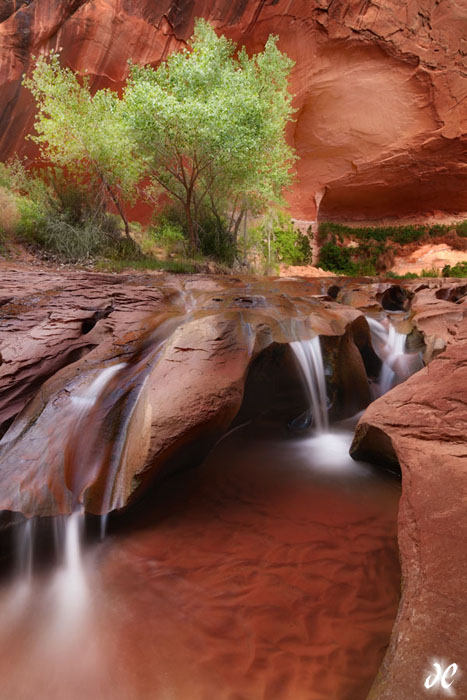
271,572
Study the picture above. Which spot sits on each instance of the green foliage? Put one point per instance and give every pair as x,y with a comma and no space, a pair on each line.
430,273
209,124
406,276
207,127
280,242
461,229
58,215
458,270
74,228
337,259
147,263
214,241
83,134
396,234
362,259
170,236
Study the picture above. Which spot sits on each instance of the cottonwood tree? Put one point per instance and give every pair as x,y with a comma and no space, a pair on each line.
209,124
83,133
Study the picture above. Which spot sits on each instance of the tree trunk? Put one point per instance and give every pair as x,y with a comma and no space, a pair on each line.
245,223
191,228
237,227
114,199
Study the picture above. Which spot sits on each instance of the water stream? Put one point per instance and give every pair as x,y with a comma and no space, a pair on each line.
390,346
310,360
270,571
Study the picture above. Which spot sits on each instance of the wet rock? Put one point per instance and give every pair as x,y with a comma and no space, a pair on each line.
178,385
395,298
421,426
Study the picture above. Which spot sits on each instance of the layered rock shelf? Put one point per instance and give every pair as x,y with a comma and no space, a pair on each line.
188,358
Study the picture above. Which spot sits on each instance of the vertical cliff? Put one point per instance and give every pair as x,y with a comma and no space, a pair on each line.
380,88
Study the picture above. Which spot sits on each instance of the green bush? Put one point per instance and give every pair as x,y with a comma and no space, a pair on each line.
278,241
214,241
396,234
458,270
291,246
169,235
406,276
171,231
146,263
337,259
373,243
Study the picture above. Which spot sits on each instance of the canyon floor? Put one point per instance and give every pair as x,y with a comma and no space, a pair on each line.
191,357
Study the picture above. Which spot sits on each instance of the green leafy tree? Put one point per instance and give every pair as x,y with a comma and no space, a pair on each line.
209,124
84,134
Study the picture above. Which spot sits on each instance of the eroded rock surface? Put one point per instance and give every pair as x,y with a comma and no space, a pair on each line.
380,87
421,425
120,378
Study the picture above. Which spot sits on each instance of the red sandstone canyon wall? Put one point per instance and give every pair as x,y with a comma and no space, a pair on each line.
381,88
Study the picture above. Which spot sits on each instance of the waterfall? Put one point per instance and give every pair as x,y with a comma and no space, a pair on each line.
25,550
310,360
89,397
389,345
70,585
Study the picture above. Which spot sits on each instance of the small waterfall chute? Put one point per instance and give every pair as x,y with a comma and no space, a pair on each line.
389,345
310,359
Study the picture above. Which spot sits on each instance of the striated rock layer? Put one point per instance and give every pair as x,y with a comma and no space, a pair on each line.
421,424
150,383
380,88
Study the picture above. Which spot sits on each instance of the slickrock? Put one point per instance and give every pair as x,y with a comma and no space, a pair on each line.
121,378
421,425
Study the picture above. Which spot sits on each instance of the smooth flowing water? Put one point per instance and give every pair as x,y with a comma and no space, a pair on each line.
310,360
390,346
269,572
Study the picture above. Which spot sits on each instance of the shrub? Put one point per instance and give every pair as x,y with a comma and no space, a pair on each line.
337,259
405,276
9,214
169,235
291,246
214,240
458,270
397,234
276,240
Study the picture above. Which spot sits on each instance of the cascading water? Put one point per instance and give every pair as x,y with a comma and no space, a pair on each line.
89,397
389,345
25,550
146,610
396,346
310,360
70,588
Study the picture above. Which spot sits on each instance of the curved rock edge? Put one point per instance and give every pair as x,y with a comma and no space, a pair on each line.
432,527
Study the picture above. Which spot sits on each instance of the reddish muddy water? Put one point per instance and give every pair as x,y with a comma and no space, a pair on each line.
269,573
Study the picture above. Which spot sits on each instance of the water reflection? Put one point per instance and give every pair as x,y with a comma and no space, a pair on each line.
270,572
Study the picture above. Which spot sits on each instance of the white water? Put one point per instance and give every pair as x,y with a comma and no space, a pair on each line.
69,588
310,359
389,345
89,397
25,550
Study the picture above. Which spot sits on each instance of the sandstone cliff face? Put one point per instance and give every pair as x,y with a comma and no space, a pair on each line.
381,122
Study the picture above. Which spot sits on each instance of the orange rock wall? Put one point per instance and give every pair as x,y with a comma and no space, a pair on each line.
380,89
